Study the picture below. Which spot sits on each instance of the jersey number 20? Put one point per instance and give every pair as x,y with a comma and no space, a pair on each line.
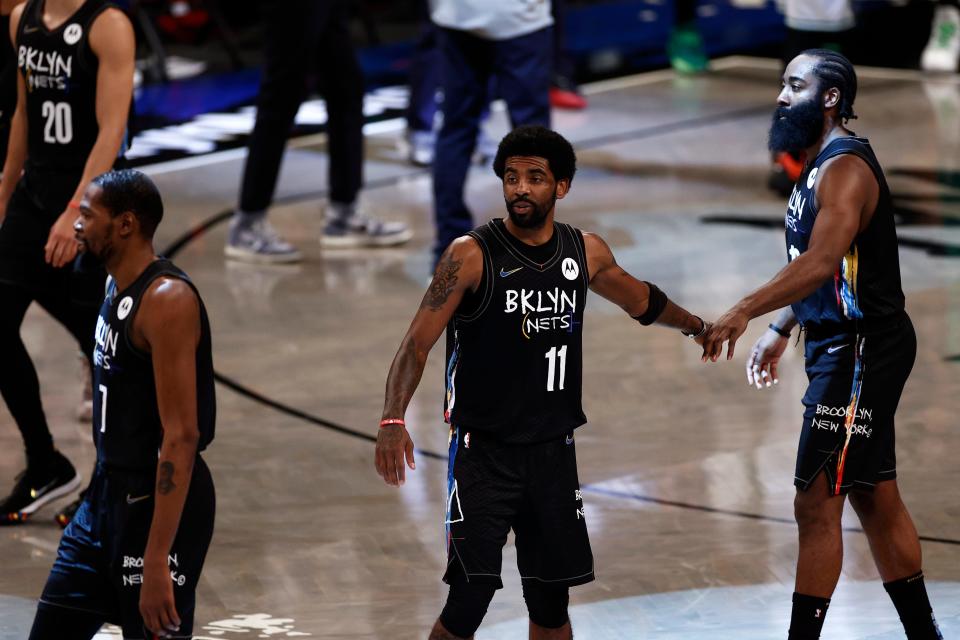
59,126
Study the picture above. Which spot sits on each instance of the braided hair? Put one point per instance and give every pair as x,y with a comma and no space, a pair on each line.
834,70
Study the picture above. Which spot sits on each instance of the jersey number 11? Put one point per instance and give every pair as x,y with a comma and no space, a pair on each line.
552,356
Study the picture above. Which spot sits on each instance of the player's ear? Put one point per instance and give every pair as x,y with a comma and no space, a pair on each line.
563,186
128,224
831,98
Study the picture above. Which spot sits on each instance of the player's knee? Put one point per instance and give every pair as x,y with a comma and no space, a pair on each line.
546,604
466,605
863,502
811,513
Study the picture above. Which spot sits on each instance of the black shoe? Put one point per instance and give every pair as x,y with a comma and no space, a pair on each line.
36,486
65,515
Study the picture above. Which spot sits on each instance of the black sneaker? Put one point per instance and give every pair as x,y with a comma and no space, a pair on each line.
36,487
65,515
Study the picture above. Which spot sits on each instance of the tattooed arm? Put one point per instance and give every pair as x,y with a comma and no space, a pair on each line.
168,327
460,269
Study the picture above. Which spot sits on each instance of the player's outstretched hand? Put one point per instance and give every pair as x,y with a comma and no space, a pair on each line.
394,447
764,359
703,336
728,328
157,606
62,245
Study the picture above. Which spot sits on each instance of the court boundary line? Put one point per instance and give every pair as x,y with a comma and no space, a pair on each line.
254,396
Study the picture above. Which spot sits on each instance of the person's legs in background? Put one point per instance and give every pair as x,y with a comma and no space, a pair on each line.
342,80
424,83
291,27
523,74
564,93
49,474
685,46
942,52
465,71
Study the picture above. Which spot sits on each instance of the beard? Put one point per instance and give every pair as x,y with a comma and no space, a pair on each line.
537,215
800,127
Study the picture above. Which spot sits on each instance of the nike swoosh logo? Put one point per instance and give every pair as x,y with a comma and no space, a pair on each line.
836,348
504,274
569,439
136,500
36,493
30,29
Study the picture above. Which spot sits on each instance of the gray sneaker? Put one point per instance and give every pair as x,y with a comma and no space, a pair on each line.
259,243
362,231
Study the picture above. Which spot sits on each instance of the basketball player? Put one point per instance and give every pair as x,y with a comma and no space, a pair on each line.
133,552
511,294
842,285
75,85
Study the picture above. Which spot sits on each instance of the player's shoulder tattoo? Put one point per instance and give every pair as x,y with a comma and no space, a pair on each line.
444,281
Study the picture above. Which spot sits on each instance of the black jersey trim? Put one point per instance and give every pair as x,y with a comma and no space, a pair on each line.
522,258
485,293
859,151
168,269
87,57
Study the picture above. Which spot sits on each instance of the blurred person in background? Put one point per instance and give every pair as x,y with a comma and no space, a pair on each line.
300,37
942,52
509,41
423,112
564,92
685,47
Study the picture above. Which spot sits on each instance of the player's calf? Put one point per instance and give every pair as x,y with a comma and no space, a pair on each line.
547,606
466,605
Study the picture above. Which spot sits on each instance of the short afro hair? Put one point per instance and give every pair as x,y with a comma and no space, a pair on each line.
539,142
131,190
833,69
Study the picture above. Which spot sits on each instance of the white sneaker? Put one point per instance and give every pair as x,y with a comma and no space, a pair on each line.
421,144
486,149
259,243
362,231
942,52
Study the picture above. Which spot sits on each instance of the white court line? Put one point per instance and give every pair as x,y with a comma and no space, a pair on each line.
395,125
185,164
44,545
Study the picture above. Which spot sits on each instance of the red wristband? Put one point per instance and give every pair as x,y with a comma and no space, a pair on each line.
73,204
389,421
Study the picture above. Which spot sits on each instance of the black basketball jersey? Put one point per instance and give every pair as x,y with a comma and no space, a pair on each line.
126,419
515,354
866,284
60,72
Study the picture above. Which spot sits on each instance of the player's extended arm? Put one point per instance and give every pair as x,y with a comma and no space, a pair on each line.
608,279
169,322
847,193
460,268
17,144
112,40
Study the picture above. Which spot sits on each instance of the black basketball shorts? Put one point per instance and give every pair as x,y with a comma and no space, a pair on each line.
533,489
848,422
99,565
